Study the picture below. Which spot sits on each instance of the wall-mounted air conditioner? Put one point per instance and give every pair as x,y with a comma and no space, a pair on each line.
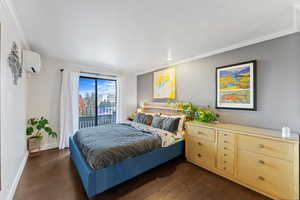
31,61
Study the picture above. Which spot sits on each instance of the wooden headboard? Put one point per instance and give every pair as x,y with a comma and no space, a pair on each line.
163,108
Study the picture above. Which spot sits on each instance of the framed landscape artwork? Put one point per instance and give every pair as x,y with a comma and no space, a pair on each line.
164,84
236,86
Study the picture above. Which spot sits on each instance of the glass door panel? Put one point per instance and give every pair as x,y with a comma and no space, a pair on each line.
107,101
87,99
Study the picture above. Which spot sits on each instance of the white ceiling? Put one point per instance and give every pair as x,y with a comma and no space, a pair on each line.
135,35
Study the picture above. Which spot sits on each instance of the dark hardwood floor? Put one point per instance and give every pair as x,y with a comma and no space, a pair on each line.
52,176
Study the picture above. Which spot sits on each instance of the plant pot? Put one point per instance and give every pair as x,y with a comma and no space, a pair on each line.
33,145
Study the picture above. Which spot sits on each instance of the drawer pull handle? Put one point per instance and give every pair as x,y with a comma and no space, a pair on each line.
225,161
224,168
200,133
261,162
225,154
261,178
261,146
225,141
225,134
199,143
225,148
199,155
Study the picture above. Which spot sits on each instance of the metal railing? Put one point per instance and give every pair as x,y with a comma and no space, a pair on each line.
90,121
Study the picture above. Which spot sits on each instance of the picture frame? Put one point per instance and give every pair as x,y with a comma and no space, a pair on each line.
164,83
236,86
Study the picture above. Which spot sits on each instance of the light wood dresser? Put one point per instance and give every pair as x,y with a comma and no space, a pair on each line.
259,159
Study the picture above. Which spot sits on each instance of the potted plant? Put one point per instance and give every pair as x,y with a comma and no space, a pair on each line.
187,109
205,114
36,127
201,114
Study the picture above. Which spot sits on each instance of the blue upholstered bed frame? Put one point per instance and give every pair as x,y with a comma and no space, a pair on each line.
97,181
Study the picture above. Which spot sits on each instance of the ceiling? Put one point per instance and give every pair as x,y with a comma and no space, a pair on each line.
135,35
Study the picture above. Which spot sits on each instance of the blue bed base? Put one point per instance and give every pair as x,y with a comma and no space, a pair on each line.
97,181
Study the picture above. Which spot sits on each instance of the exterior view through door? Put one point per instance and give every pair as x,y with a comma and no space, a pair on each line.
97,101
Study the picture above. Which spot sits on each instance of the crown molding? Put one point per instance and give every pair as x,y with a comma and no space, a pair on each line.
225,49
295,28
8,5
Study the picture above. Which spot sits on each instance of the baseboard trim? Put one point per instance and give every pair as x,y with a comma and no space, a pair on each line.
12,189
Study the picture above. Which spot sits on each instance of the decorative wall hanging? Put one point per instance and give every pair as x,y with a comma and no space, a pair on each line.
164,84
236,86
14,63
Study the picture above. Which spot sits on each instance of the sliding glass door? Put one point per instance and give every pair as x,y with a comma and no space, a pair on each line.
97,102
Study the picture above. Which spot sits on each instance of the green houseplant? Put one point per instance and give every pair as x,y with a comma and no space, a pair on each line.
36,127
201,114
187,109
205,114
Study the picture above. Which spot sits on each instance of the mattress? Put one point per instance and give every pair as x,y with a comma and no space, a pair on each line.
109,144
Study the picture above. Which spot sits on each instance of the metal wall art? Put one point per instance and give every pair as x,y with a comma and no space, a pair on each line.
14,63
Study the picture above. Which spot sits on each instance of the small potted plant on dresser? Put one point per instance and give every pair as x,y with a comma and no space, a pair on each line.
200,114
206,114
36,127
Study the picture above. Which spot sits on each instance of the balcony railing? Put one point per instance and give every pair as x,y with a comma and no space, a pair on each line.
89,121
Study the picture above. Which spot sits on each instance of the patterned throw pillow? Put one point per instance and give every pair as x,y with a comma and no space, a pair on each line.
143,119
170,124
181,122
157,122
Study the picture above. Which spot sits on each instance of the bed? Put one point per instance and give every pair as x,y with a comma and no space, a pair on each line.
97,177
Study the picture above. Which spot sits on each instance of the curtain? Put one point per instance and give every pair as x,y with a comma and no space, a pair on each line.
69,112
118,117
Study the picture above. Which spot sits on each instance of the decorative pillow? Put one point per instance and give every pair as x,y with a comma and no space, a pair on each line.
170,124
143,119
181,122
157,122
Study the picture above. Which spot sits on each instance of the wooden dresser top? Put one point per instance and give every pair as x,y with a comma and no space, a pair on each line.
247,130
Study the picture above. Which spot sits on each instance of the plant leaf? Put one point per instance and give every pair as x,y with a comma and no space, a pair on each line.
32,121
53,134
39,127
39,137
29,131
48,129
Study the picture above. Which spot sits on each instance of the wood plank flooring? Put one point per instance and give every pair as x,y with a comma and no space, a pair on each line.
52,176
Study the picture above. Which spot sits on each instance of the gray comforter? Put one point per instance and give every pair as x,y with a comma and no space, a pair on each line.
110,144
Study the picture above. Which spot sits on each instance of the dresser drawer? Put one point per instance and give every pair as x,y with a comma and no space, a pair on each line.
226,146
201,132
226,140
226,135
268,174
225,156
200,151
225,164
267,147
226,153
226,168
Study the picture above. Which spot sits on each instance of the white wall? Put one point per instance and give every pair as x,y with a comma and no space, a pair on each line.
13,110
128,93
44,93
